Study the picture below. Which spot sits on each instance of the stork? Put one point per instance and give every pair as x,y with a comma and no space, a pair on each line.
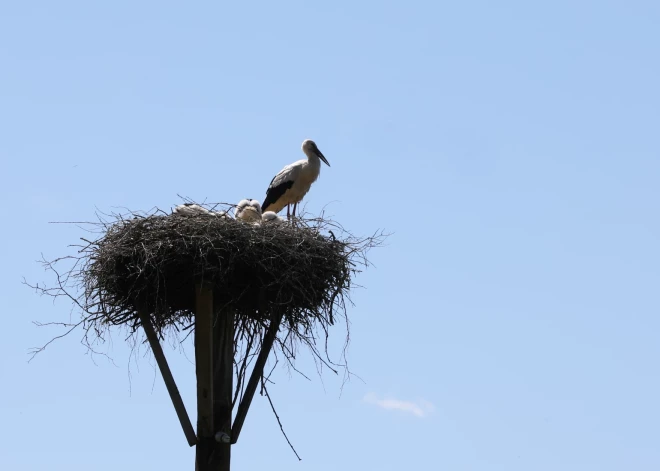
293,182
271,217
190,209
248,211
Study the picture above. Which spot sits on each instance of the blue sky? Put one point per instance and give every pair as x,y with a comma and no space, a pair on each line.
511,323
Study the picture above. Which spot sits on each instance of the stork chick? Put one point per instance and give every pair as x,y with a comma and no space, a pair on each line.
271,217
190,209
248,211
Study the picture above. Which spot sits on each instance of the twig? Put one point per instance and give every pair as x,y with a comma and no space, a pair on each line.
272,407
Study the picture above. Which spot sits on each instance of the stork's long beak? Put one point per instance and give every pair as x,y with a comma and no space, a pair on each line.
322,157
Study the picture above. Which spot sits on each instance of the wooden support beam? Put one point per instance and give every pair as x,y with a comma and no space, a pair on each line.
168,378
223,373
257,372
204,369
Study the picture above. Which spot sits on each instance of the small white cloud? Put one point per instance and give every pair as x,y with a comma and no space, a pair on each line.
419,408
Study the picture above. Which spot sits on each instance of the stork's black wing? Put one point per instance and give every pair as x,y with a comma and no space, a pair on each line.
275,192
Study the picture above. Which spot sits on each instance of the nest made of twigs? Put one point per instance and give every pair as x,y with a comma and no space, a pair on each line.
154,263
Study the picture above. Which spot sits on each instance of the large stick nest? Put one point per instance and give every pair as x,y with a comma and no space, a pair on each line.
153,262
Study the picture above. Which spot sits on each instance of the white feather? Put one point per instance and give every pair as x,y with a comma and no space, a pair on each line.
190,209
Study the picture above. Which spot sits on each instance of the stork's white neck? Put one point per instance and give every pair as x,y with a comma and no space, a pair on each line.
313,159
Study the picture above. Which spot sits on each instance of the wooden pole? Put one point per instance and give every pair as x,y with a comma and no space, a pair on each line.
204,369
168,378
223,373
257,372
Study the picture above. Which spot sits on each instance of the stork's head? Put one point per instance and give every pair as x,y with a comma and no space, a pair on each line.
248,210
310,149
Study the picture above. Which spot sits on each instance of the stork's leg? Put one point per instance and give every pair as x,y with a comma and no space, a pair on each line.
288,215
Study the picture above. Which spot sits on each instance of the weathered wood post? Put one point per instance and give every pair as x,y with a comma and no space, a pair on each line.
223,375
204,370
214,359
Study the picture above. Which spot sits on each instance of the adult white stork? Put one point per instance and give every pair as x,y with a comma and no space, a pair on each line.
248,211
271,217
293,182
